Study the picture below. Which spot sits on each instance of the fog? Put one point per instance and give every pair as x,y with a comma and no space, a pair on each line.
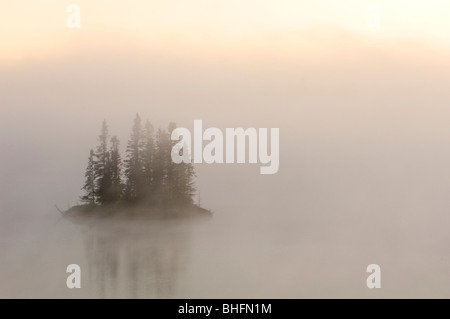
363,172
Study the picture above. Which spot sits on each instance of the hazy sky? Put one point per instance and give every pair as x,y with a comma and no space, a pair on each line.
38,28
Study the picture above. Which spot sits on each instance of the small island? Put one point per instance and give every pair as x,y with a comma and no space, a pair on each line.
147,184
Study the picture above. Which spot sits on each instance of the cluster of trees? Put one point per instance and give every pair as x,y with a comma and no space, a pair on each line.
146,176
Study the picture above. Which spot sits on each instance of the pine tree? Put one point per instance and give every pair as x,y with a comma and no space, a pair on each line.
134,190
89,185
102,166
173,170
189,188
116,189
161,165
180,177
185,189
148,157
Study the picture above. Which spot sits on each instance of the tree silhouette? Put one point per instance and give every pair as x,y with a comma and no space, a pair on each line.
134,170
116,188
161,166
150,175
148,155
180,177
102,166
89,185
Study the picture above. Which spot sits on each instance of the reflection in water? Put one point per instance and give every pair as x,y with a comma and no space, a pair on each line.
132,260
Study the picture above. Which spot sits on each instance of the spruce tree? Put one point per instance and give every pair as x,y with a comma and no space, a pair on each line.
185,188
180,177
189,183
135,182
161,165
173,170
116,189
89,185
102,166
148,157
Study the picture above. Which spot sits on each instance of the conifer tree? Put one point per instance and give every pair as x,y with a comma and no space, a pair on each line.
135,181
148,157
180,176
116,190
102,166
161,165
174,171
189,183
89,196
185,188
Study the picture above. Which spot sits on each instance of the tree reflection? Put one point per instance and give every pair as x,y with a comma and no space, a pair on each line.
135,260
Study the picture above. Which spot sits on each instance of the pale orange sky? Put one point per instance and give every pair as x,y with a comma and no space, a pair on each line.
31,29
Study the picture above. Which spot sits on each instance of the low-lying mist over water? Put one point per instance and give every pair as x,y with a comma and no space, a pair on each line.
363,174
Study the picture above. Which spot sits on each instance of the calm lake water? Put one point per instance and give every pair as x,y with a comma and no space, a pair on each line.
226,256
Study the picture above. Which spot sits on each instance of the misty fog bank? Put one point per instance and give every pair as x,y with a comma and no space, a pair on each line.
363,173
